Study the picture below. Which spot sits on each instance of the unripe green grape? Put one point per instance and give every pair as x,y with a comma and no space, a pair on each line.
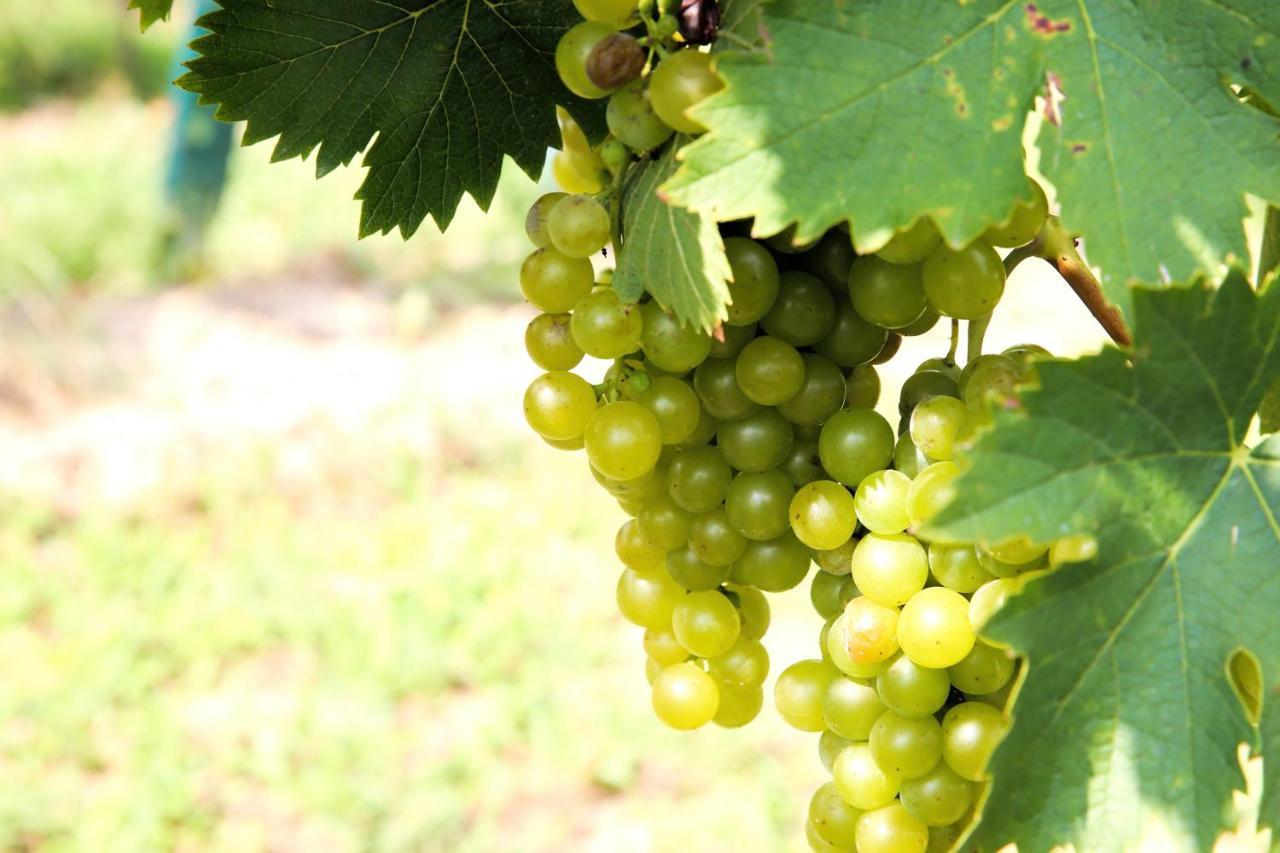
862,387
931,490
934,629
911,690
652,669
822,515
706,623
850,708
662,647
717,387
852,340
647,600
759,442
1000,698
907,458
994,380
744,665
957,567
838,560
860,781
881,501
757,504
578,226
644,487
606,11
803,313
603,326
889,295
738,705
570,444
1024,355
571,57
802,464
971,731
820,396
938,798
755,282
550,344
925,322
891,829
829,259
924,385
753,608
560,405
830,745
681,80
984,670
830,593
834,820
698,479
769,371
906,747
941,365
554,282
854,443
776,565
1004,569
703,433
663,523
685,697
636,552
935,423
735,338
912,245
535,221
714,539
623,440
1078,548
890,568
964,283
631,118
674,404
818,844
1024,223
988,599
669,344
798,693
692,573
866,632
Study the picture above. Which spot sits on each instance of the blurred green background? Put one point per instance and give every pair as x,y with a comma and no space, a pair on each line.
283,568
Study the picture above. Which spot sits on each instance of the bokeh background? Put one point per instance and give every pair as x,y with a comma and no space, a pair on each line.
282,568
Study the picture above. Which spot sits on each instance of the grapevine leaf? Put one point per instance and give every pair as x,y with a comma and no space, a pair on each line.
741,24
875,113
1126,705
150,11
674,254
1270,410
448,88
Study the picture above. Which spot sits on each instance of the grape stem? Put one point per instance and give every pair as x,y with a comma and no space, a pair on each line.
615,210
955,340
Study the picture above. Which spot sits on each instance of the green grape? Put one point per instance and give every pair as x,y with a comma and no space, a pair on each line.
994,380
675,405
938,798
822,515
735,338
652,669
753,608
553,282
834,820
636,552
559,405
776,565
830,593
571,57
996,567
965,283
645,486
1017,550
575,443
785,242
535,221
862,387
830,745
924,385
829,259
912,245
934,629
1078,548
971,731
906,747
891,346
838,560
998,699
803,313
738,705
1025,355
881,501
957,567
818,844
852,340
867,633
603,326
631,118
943,839
984,670
662,647
889,295
685,697
890,569
706,623
692,573
931,490
802,464
769,371
850,708
1024,223
755,282
703,433
717,387
989,598
940,365
663,523
798,693
579,226
578,173
668,344
713,539
607,11
853,443
698,479
744,665
860,781
623,440
925,322
820,396
647,600
911,690
681,80
891,829
757,504
935,423
759,442
550,344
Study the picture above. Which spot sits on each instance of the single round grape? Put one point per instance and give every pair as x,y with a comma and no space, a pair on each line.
862,387
652,669
938,798
637,552
830,745
579,173
891,568
923,385
911,690
759,442
698,479
578,226
838,560
670,345
603,326
735,338
685,697
912,245
554,282
1025,355
632,120
964,283
738,705
615,61
798,693
753,608
850,708
802,464
535,221
803,312
818,844
703,433
774,566
906,747
988,599
984,670
820,396
757,504
662,647
559,405
834,820
571,57
924,323
645,486
889,295
692,573
717,387
550,344
755,282
706,623
933,628
607,11
1078,548
860,781
713,538
931,490
822,514
996,379
675,405
907,458
681,80
744,665
829,259
881,501
647,600
957,567
935,423
1000,698
891,830
852,340
769,371
830,593
623,440
853,443
971,731
1024,223
663,523
867,632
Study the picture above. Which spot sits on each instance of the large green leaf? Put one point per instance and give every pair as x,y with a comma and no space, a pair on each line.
447,87
1126,716
150,11
873,112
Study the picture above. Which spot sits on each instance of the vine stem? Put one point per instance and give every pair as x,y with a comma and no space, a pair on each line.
955,340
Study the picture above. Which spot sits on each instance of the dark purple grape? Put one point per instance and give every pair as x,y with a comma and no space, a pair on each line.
699,20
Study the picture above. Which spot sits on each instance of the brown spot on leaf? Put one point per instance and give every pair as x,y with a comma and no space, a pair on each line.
1245,64
1079,147
1043,24
1053,98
